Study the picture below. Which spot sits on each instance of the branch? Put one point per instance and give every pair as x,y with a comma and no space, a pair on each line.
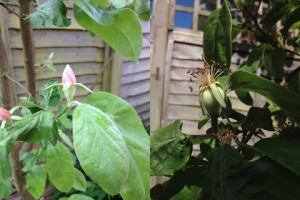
292,52
17,173
19,84
12,11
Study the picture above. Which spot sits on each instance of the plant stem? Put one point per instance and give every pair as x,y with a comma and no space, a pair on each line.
214,124
11,11
19,84
17,173
28,46
62,112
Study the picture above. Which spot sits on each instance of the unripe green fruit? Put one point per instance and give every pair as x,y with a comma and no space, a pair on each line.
209,104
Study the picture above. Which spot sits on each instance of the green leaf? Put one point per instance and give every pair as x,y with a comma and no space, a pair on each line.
120,29
50,13
32,128
59,165
284,151
29,160
36,181
113,123
65,122
143,9
5,170
190,176
255,59
5,188
79,182
258,118
101,3
188,193
50,97
273,60
245,97
262,180
217,94
204,149
217,42
118,3
276,12
286,99
292,18
294,83
54,134
220,160
79,197
98,143
202,122
65,139
170,149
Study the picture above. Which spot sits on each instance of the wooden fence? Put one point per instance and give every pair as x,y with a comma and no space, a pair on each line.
87,56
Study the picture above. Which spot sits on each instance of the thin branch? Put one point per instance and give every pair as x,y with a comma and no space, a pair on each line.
293,52
253,18
19,84
11,11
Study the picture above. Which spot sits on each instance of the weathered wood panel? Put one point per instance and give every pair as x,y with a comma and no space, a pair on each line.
57,38
70,45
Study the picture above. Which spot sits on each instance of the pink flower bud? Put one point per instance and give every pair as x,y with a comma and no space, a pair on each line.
4,114
68,76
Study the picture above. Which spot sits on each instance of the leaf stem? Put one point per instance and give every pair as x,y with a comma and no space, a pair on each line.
62,112
11,11
19,84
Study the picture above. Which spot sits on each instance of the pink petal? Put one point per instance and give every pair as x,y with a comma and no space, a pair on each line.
68,76
4,114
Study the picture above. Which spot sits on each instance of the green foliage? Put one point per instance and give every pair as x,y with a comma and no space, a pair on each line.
98,143
50,13
112,124
282,150
120,29
5,188
61,175
227,167
170,150
80,181
258,118
286,99
217,36
273,60
50,97
36,180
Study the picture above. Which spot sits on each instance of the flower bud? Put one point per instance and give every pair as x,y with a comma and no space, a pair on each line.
4,114
209,104
68,76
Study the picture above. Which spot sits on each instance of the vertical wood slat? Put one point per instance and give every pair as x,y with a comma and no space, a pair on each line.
116,73
159,36
167,79
172,10
196,15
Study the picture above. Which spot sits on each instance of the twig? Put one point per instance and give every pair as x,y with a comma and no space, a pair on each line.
291,51
11,11
19,84
256,23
